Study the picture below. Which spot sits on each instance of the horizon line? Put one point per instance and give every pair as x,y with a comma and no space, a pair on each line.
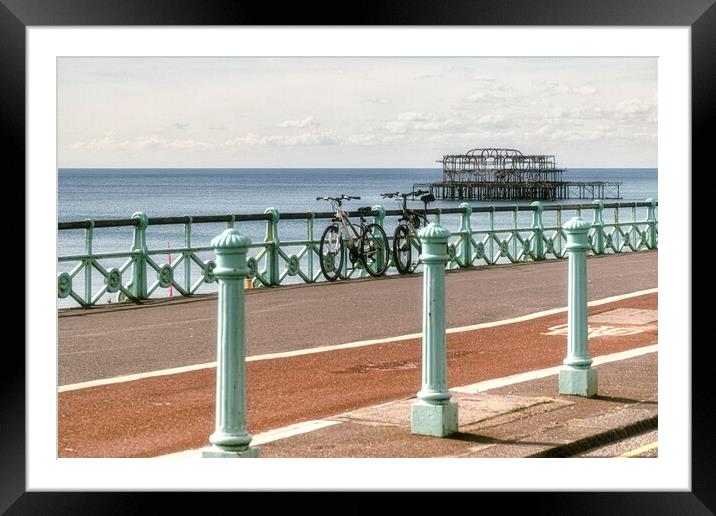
311,168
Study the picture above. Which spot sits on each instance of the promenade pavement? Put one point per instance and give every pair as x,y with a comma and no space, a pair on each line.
353,401
109,341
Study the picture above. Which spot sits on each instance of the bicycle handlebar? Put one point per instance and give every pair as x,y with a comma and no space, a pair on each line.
390,195
343,197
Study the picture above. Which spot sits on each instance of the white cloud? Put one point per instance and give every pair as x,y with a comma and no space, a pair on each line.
494,121
377,100
309,121
414,116
635,108
485,97
108,142
310,138
564,88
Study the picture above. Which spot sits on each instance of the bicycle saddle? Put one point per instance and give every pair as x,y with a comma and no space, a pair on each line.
428,198
365,210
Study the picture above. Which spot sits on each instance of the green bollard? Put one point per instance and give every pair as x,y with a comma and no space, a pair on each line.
577,377
231,439
434,414
272,255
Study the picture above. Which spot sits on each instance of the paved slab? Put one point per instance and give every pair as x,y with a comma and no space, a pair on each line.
111,341
519,423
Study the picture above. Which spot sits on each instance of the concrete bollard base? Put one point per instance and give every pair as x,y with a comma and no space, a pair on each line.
578,382
212,452
433,420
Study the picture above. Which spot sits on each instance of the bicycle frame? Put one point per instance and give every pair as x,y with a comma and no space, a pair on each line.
346,223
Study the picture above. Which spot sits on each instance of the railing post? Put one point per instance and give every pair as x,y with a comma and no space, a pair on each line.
88,262
651,221
138,286
378,219
187,261
598,224
466,232
272,255
309,236
434,414
231,438
577,377
537,231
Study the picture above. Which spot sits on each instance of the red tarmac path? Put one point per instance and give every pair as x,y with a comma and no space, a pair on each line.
165,414
115,340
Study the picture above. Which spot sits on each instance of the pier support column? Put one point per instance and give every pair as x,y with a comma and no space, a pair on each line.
577,377
230,438
434,414
272,255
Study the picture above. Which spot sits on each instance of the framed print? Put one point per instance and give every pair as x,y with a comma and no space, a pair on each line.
134,92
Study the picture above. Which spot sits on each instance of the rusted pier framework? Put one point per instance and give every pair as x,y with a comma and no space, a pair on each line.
506,174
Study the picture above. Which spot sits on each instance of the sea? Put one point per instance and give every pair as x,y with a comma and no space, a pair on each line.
119,192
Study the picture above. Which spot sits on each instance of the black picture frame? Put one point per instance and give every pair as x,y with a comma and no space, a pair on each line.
699,15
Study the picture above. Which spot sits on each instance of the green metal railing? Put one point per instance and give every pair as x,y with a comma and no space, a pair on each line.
274,261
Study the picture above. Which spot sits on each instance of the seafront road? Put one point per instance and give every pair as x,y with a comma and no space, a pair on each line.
164,414
115,340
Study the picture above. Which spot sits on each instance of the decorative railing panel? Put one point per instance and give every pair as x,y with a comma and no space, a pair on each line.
482,236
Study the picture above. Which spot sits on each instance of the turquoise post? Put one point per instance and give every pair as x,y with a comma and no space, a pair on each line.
434,414
598,224
466,232
272,254
186,254
577,377
88,262
651,221
537,231
231,438
138,287
378,219
309,236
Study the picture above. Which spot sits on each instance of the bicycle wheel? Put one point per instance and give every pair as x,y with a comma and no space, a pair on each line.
402,252
374,250
331,253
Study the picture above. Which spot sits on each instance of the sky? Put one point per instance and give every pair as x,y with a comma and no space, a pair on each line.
248,112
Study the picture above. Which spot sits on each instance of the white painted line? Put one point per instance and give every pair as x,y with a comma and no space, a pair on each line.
349,345
543,373
132,377
317,424
267,437
639,451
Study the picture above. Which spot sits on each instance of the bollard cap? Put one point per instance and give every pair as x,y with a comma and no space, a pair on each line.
230,239
434,233
576,225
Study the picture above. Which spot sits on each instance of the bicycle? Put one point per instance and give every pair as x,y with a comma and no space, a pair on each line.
406,234
367,244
